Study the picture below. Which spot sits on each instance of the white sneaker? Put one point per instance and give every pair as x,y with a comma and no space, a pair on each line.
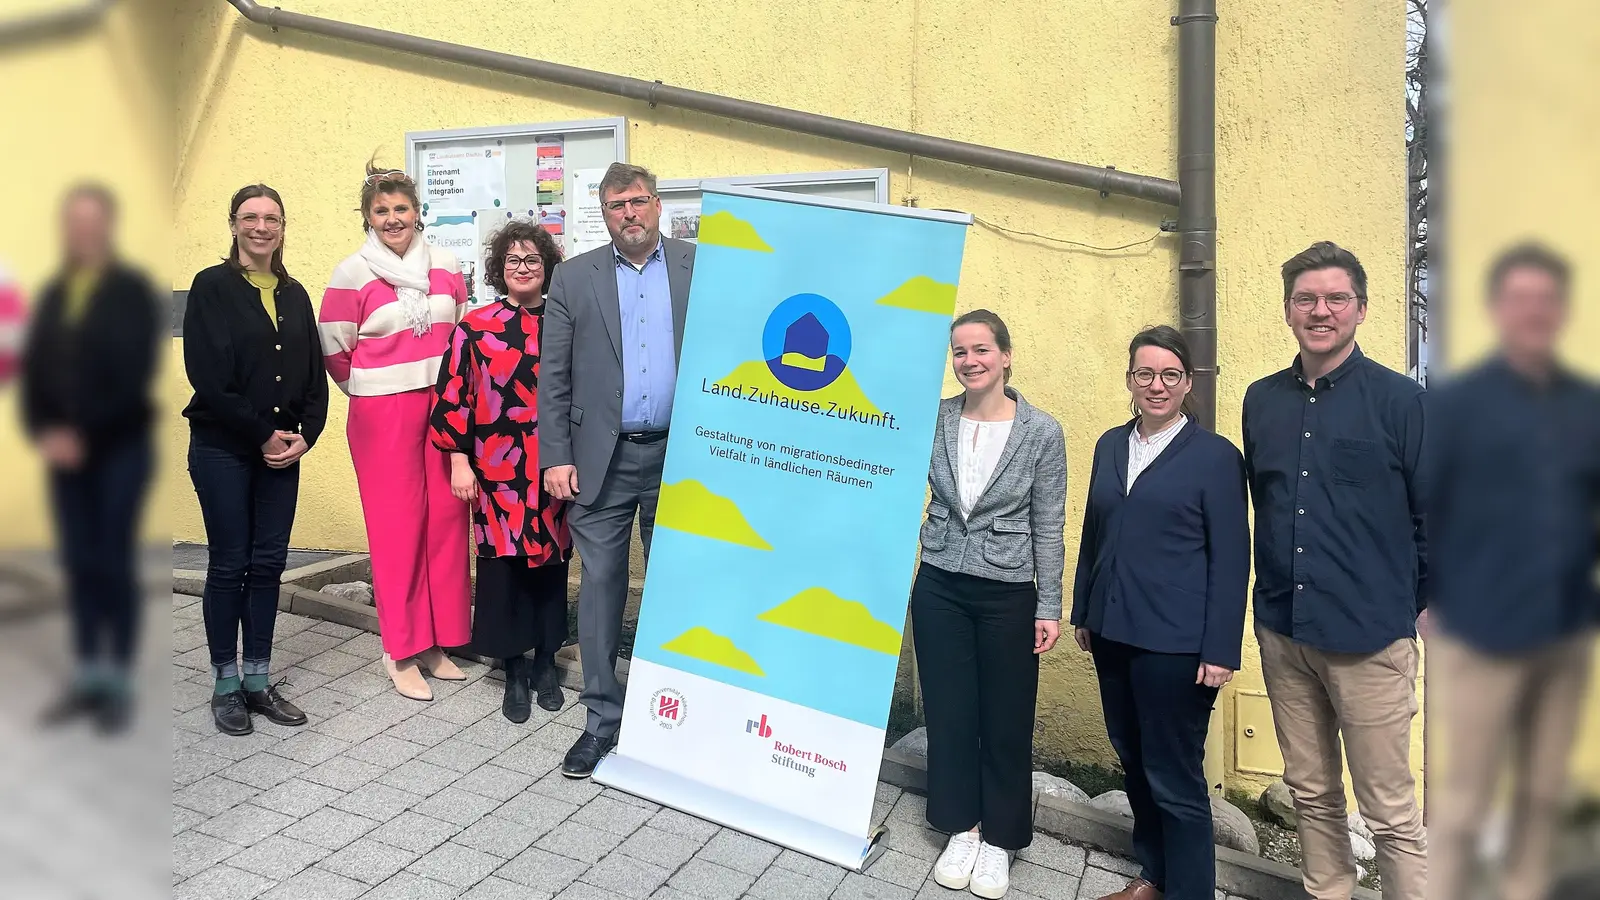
992,875
954,868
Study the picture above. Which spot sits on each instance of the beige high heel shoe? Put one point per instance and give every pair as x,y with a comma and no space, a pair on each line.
440,665
407,678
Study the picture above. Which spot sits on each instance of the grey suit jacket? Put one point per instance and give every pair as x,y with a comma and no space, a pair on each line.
580,360
1015,531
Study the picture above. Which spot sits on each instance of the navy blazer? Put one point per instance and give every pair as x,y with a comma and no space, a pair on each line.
1166,566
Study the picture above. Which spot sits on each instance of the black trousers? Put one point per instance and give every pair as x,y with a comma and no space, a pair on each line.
519,608
97,522
1156,718
980,679
248,508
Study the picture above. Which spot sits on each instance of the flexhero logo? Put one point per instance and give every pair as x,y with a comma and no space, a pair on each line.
759,729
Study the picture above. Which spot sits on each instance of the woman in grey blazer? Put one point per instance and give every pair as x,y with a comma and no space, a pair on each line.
986,603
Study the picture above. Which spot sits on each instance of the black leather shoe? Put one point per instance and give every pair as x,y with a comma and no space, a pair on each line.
547,685
271,704
231,712
114,713
74,703
585,754
517,705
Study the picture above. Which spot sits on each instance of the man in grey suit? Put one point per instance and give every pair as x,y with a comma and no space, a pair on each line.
613,328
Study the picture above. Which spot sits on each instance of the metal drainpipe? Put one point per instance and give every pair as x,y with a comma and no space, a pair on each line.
1197,256
1104,179
1197,211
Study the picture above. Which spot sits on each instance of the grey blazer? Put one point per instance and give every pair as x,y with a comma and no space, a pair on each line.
580,360
1015,532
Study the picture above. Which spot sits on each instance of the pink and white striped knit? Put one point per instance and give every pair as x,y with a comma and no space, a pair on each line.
367,346
13,326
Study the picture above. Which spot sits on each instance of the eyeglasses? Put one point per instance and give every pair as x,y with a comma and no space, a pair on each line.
1146,377
269,222
391,175
1336,302
637,204
514,263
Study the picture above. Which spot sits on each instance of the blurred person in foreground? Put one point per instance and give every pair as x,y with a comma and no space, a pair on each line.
87,366
1333,451
253,355
1514,446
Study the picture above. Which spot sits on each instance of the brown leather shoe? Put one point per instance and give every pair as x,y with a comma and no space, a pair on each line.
1139,889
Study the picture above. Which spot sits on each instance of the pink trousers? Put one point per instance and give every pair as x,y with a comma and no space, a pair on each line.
416,529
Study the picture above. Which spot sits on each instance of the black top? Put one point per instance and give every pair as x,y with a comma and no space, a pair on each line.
1166,566
251,379
93,375
1514,508
1336,474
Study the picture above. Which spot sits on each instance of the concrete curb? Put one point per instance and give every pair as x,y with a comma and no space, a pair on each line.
1237,873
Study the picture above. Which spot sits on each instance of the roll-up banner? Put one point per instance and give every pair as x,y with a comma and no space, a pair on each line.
785,541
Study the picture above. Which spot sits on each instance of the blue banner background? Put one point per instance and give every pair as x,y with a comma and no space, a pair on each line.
710,581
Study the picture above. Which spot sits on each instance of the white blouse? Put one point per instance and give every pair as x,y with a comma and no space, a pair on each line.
978,452
1142,451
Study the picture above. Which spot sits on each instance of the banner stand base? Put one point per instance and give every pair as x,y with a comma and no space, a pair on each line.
802,835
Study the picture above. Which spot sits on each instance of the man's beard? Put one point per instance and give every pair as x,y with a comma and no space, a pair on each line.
636,239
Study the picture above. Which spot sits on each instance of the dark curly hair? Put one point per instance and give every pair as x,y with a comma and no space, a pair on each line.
514,231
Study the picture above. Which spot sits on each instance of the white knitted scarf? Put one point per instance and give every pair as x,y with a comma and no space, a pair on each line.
408,275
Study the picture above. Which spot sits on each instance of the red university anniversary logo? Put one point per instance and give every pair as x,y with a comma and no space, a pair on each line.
667,708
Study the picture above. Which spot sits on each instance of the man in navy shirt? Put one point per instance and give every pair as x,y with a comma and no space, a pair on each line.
1514,453
1333,452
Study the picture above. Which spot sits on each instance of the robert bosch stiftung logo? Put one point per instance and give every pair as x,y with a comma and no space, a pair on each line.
758,728
806,342
667,708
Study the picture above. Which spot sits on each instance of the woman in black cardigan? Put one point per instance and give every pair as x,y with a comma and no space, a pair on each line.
87,368
254,358
1159,600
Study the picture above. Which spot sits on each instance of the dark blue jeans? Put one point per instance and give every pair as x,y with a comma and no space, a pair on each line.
248,510
97,523
1156,718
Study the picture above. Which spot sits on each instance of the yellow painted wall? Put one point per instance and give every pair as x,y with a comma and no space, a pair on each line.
1523,80
92,107
1075,79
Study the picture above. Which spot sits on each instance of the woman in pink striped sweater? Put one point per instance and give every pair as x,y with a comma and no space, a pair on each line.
385,320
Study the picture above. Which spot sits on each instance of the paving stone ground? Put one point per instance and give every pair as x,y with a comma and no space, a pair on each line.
380,797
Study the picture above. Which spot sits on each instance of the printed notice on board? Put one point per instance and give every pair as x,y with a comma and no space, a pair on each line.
586,222
681,221
552,175
464,178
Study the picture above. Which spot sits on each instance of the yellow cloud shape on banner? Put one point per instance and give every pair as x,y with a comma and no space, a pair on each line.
923,294
706,645
823,613
845,390
691,507
724,229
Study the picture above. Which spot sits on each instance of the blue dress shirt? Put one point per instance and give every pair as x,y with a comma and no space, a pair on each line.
649,361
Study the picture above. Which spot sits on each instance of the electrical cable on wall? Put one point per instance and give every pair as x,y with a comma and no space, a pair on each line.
1045,237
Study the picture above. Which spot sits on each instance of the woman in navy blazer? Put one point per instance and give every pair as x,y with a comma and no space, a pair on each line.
1159,600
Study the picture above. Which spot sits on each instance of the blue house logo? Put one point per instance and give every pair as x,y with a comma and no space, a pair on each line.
806,342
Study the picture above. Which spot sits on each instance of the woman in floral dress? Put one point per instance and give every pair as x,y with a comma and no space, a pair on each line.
486,418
